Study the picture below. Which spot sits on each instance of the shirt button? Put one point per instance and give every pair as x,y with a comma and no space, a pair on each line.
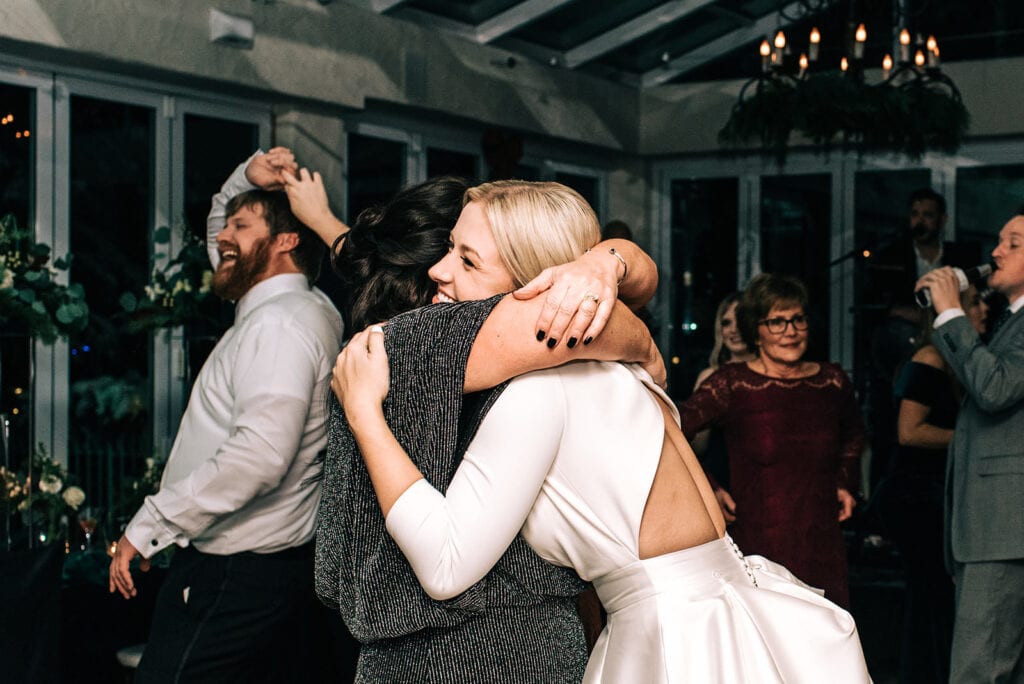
154,542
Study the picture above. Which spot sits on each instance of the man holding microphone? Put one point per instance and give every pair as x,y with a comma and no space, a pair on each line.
984,513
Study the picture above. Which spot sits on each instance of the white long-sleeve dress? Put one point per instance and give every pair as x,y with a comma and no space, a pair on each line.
568,455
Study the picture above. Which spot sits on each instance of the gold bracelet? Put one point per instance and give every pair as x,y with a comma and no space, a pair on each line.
625,267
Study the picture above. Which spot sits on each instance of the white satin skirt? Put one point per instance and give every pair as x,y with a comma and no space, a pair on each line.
707,614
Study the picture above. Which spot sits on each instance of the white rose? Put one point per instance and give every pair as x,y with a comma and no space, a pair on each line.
8,280
50,484
73,497
207,280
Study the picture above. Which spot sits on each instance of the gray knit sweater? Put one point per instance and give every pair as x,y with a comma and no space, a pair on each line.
518,624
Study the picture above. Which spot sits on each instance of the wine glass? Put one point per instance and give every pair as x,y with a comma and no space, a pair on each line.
88,519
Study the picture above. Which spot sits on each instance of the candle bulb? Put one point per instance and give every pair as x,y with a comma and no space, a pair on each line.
860,37
814,45
780,45
904,46
766,51
803,65
886,66
933,58
931,44
919,58
844,64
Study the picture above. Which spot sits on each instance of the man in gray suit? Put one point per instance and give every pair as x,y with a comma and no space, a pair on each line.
985,471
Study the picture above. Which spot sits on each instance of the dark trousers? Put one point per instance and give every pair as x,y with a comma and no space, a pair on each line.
988,636
243,617
910,507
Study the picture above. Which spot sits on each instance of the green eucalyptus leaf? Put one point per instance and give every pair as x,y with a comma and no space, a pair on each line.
66,314
162,235
129,302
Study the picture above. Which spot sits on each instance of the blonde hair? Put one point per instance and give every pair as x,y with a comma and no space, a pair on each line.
535,224
720,354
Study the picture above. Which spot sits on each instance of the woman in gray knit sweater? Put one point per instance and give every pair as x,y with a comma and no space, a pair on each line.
519,622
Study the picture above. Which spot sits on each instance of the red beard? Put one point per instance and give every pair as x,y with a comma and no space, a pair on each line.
233,281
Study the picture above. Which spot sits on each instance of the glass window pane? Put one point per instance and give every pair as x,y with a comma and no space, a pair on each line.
376,171
526,172
881,342
213,148
111,205
442,162
795,231
986,198
704,225
585,185
17,174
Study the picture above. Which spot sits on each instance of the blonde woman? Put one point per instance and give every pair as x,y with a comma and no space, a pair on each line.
588,462
709,445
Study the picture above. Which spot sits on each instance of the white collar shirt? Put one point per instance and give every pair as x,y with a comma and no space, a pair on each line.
237,477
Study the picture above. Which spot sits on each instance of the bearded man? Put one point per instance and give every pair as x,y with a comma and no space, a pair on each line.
239,494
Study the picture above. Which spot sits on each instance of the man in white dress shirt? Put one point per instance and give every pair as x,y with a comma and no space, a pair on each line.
238,494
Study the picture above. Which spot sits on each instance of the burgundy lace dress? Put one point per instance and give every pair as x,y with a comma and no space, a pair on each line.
791,443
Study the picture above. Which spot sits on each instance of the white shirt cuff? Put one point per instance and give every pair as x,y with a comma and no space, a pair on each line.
148,535
948,315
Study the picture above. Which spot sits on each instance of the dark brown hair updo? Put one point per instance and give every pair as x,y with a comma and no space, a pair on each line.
385,258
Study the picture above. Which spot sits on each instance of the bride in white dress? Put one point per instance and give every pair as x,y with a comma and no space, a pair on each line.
588,461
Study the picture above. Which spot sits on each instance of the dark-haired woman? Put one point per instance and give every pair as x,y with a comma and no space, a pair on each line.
519,623
794,437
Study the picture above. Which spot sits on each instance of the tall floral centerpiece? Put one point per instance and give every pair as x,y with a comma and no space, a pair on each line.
34,303
45,500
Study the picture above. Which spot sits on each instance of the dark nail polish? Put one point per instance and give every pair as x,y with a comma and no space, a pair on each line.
552,342
540,335
571,343
588,340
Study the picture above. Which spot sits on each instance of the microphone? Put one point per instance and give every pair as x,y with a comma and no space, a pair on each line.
923,297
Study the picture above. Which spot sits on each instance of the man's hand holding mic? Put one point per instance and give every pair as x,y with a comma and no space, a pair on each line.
944,285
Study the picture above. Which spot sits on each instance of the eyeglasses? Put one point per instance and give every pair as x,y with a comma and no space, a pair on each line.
777,326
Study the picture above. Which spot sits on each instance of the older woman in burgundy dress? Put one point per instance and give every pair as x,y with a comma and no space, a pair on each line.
794,436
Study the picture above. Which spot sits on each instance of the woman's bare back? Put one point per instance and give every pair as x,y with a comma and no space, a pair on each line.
681,510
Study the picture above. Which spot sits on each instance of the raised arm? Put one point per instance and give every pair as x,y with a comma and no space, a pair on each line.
263,170
613,269
503,348
452,540
308,199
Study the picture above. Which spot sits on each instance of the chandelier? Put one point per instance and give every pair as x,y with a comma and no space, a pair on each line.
913,108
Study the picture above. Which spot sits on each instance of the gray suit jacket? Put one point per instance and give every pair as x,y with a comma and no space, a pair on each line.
985,468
